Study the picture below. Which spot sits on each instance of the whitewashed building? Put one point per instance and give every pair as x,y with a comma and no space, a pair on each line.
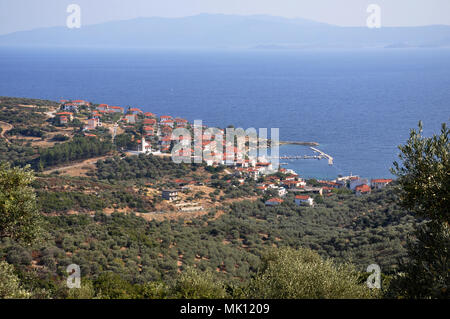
304,200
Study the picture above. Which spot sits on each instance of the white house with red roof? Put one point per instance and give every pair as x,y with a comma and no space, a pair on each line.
144,147
330,184
69,107
149,130
149,122
81,102
304,199
102,107
358,181
165,118
362,189
63,120
67,115
281,190
380,182
116,109
131,118
135,111
261,187
289,184
251,172
180,121
96,114
168,122
92,123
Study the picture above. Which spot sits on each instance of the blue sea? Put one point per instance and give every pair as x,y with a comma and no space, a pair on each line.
358,105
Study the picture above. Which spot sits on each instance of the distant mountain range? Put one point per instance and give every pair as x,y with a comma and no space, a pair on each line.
229,31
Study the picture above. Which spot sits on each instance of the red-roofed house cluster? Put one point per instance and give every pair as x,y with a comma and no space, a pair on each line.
73,105
357,184
279,185
155,133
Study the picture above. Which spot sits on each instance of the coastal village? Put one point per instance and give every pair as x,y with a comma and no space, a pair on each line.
135,133
97,166
155,137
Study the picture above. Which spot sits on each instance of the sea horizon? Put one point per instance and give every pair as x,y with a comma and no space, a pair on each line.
357,104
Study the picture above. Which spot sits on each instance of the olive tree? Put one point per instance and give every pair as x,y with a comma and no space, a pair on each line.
10,283
424,189
19,217
195,284
287,273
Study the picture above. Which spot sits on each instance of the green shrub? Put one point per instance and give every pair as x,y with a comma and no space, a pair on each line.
302,274
9,283
195,284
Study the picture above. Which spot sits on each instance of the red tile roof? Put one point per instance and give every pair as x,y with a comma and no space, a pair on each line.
149,121
290,182
180,181
363,188
262,164
275,200
302,197
381,180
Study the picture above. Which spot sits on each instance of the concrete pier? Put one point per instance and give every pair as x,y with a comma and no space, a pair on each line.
330,159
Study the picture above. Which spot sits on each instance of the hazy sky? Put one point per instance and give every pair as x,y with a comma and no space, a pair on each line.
18,15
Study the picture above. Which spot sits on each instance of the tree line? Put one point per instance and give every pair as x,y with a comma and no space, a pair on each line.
77,149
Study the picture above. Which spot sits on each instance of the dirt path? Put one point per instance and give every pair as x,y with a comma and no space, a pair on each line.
50,114
5,128
90,161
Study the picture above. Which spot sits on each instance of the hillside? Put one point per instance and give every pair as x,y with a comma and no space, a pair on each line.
110,217
228,31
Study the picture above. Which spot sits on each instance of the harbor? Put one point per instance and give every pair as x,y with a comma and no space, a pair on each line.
323,154
320,156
